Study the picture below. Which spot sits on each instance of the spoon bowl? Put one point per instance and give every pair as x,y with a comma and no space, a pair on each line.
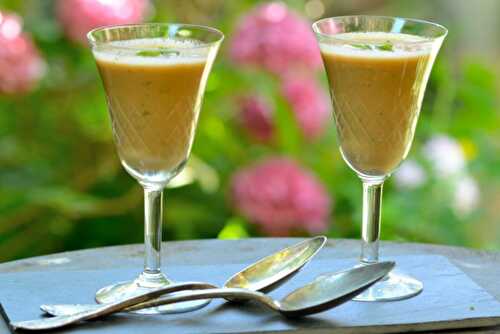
330,290
276,269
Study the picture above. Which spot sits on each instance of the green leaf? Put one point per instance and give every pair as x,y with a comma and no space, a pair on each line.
148,53
64,200
387,46
288,134
362,46
156,53
169,52
234,229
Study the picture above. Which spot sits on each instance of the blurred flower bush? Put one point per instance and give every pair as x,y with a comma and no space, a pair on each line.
275,38
20,63
281,198
265,159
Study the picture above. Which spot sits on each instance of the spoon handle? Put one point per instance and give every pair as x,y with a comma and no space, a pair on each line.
72,309
106,309
226,293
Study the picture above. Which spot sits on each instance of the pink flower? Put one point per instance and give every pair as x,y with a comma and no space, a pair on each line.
281,197
80,16
309,103
275,38
256,116
21,66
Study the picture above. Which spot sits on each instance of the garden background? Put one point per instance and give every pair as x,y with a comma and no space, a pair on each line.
265,159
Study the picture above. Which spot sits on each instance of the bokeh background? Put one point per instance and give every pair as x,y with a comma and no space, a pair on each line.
265,160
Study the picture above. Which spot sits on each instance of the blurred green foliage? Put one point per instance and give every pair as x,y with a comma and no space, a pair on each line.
62,186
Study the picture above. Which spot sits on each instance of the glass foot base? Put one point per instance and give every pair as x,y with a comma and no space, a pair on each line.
395,286
145,282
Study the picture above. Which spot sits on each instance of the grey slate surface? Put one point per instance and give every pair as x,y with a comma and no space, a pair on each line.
450,300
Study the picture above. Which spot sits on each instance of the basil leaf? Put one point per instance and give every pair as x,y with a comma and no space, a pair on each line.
165,52
148,53
156,53
387,46
362,46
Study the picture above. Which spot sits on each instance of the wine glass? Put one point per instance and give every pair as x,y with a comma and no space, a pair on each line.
154,76
377,69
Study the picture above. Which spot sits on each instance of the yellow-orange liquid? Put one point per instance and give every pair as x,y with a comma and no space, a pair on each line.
154,105
376,98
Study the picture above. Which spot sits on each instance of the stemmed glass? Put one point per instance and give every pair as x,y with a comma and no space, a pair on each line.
154,76
377,69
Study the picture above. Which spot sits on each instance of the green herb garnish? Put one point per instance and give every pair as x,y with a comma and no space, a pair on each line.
165,52
387,46
156,53
148,53
362,46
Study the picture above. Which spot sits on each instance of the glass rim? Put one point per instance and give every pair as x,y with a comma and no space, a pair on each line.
220,35
442,34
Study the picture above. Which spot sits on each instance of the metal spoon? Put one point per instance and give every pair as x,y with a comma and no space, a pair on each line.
102,310
265,275
325,292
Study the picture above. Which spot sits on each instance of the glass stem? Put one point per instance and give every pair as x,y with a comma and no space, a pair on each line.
153,214
372,209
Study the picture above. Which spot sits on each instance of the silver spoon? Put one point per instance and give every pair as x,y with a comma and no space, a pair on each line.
265,275
325,292
102,310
